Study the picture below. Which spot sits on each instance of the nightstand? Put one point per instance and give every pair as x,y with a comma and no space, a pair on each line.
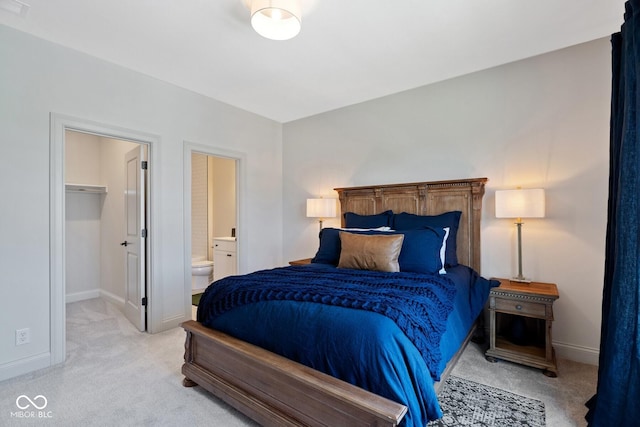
521,316
300,261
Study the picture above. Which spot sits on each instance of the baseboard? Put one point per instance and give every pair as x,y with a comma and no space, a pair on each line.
94,293
112,298
577,353
81,296
24,366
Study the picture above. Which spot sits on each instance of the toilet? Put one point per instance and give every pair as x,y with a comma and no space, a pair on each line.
201,274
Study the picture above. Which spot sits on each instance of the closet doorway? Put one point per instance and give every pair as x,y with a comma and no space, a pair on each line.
106,189
59,127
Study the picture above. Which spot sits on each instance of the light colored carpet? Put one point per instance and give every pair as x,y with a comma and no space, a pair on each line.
115,375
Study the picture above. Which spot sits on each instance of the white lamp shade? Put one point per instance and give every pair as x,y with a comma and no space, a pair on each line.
520,203
276,19
321,208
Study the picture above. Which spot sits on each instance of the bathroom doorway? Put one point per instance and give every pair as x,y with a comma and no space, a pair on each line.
106,190
212,229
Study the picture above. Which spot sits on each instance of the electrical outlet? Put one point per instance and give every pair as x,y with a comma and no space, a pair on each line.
23,336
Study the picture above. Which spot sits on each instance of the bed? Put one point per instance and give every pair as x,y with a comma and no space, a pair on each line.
276,390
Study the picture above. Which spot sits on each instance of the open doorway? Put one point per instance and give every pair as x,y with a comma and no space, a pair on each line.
105,222
213,217
144,144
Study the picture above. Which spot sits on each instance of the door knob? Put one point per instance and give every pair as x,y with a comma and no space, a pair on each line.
125,243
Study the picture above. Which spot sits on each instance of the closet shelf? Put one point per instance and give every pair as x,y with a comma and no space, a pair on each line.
86,188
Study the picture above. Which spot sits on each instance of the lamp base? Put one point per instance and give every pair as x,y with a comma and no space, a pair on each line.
521,280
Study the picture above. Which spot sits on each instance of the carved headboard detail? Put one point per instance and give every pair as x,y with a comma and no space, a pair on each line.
426,198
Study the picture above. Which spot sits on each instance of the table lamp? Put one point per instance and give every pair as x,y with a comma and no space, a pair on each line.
520,204
321,209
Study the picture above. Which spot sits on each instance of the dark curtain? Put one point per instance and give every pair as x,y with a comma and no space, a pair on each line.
617,399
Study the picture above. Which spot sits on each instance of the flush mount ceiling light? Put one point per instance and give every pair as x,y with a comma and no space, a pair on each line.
276,19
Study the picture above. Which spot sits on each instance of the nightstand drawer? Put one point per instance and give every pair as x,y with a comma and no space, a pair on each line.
520,307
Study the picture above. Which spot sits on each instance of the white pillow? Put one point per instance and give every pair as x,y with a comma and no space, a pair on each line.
443,249
367,229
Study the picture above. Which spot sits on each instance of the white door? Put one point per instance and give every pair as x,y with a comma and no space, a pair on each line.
135,237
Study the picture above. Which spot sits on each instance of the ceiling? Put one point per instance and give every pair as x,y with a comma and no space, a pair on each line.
348,51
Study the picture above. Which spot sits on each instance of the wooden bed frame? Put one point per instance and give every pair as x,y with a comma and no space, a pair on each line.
276,391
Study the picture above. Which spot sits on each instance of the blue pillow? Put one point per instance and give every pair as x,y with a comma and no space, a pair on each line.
329,249
407,221
420,251
354,220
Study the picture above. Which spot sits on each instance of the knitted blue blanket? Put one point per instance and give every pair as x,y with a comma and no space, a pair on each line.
419,304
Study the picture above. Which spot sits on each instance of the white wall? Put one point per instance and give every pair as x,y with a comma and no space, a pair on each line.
82,249
38,78
540,122
82,211
82,158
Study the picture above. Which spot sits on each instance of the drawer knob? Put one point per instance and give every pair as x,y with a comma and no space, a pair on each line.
518,307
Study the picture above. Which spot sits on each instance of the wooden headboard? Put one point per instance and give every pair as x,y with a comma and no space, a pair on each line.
426,198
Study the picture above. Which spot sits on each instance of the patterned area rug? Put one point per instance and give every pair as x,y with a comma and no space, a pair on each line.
467,403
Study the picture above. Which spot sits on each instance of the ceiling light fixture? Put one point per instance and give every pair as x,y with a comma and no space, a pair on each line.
276,19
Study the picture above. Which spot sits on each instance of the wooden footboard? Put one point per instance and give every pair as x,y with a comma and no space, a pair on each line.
276,391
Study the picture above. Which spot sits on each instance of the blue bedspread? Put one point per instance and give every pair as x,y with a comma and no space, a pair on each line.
418,304
363,346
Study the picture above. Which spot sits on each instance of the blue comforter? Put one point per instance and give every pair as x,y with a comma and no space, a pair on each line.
389,333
